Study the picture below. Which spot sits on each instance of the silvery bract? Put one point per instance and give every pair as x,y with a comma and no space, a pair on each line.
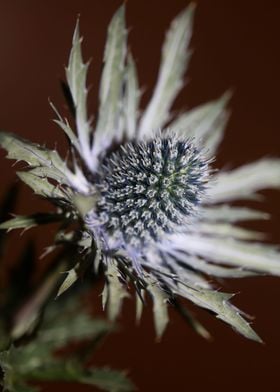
151,212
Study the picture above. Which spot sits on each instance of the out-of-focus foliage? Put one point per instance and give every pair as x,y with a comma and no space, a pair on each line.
34,328
36,360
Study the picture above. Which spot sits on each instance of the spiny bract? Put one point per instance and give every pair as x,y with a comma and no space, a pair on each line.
150,212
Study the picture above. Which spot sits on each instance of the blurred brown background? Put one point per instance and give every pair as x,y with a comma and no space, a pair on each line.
236,45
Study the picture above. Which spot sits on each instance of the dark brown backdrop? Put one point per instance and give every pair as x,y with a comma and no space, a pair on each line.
236,44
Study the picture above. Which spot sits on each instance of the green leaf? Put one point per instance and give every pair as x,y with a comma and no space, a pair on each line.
15,375
243,182
26,222
205,122
71,326
111,84
5,339
70,371
170,81
57,371
109,380
76,74
12,380
35,360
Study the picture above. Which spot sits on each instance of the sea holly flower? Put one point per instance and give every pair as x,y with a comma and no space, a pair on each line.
151,211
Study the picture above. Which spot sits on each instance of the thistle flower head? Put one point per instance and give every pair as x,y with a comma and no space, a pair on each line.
149,212
149,189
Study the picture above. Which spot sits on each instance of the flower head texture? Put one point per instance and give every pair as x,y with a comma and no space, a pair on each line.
152,212
148,190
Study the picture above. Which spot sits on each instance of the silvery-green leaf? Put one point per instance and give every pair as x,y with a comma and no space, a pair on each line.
114,291
206,123
171,258
131,98
26,222
76,74
45,162
65,126
208,268
218,303
48,172
217,270
76,181
214,138
111,85
243,182
33,154
160,311
170,81
226,230
192,276
71,277
206,298
41,186
226,213
254,257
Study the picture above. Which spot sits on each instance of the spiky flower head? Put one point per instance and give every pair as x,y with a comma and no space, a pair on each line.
150,212
149,189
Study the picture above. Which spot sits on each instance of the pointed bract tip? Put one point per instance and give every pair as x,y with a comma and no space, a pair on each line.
76,35
192,6
121,10
190,10
227,95
186,16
